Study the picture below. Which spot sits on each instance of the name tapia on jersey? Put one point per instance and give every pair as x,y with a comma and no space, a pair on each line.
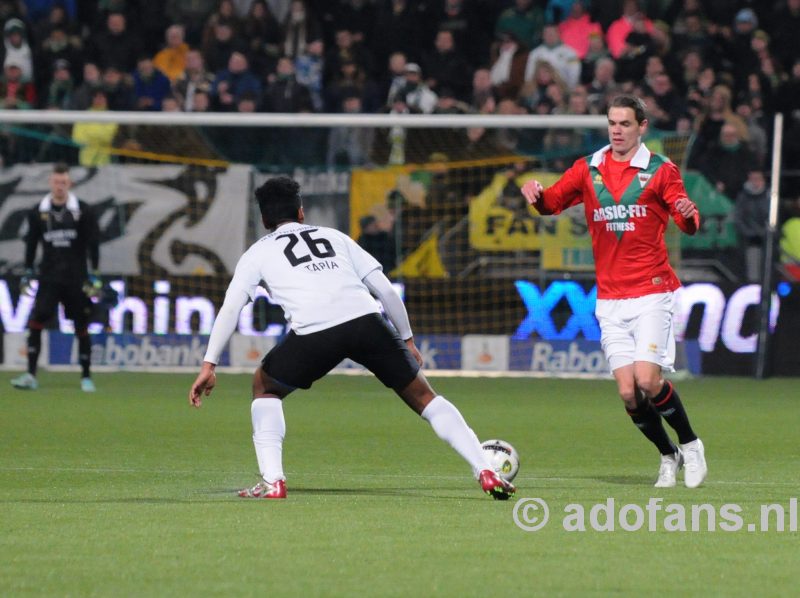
322,265
620,217
314,273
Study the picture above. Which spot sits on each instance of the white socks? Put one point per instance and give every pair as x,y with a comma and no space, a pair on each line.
449,425
269,428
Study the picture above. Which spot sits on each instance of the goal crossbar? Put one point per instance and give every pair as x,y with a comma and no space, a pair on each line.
228,119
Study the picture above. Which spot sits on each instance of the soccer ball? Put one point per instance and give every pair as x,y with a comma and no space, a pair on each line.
502,457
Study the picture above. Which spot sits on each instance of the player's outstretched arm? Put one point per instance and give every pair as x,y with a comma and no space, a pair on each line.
221,331
203,384
532,191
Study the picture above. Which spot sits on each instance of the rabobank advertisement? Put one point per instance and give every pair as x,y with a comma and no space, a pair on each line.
521,326
135,351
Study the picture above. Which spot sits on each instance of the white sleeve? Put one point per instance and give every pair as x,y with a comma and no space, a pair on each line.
382,288
240,290
225,323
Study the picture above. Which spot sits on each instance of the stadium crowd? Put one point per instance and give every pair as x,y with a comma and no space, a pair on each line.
720,69
714,71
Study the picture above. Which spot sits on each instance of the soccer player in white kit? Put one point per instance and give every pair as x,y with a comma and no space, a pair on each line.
628,195
325,283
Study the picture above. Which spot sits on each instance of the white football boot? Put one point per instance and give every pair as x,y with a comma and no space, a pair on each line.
695,468
668,472
26,382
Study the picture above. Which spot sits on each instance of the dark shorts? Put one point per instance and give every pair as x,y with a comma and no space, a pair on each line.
77,305
299,360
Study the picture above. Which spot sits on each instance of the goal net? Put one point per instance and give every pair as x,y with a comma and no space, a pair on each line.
436,199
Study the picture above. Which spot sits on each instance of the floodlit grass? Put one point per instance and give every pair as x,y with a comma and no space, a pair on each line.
130,492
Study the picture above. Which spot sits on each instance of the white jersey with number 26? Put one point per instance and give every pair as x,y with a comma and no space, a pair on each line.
314,273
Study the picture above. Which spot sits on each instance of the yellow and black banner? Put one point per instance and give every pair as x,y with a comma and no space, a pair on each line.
500,219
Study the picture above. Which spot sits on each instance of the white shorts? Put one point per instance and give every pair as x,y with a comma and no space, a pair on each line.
638,329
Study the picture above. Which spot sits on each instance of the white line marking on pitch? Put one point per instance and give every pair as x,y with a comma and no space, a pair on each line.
299,474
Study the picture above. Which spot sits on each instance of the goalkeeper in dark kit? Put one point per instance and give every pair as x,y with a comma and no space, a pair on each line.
67,229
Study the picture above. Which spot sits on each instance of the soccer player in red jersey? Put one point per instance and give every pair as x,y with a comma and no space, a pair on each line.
628,195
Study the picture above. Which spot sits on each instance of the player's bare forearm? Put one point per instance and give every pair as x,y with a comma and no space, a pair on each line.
203,384
532,191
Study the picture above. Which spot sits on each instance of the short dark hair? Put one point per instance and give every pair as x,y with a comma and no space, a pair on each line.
279,201
630,101
60,168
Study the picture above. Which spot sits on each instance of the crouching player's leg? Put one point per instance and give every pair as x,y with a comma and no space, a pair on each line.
297,361
390,354
397,363
269,429
449,425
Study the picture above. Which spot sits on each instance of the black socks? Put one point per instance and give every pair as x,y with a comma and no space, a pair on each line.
84,354
647,419
668,404
34,347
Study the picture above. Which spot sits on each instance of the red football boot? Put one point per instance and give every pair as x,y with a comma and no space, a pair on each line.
265,490
495,486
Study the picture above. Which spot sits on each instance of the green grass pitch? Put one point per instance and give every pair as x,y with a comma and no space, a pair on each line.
130,492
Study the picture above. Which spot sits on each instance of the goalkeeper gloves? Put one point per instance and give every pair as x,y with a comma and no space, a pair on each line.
26,283
94,286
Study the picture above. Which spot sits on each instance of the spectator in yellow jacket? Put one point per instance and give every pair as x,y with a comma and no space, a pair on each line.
95,138
172,59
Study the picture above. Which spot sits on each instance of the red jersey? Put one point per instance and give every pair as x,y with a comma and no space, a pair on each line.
627,206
